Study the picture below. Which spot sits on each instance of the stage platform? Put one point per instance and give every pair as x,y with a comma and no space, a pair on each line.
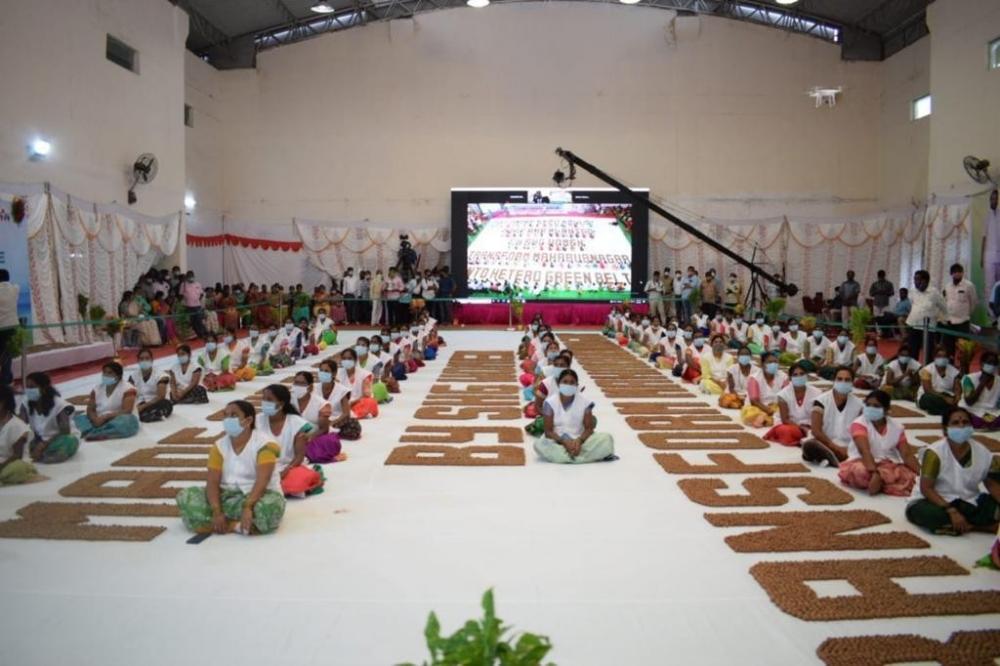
55,357
555,313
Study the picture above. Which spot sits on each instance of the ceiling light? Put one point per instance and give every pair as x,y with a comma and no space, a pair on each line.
323,8
786,2
39,149
629,2
478,4
189,201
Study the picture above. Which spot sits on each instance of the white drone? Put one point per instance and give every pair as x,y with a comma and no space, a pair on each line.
825,96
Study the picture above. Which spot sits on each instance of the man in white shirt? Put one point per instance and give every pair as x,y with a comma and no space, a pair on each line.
960,299
927,309
9,291
655,296
349,287
991,243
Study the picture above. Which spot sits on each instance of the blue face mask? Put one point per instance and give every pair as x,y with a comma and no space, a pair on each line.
842,339
325,377
108,381
941,362
960,434
904,360
818,334
552,355
182,359
671,334
567,389
268,407
793,328
842,387
760,322
645,322
374,349
874,413
145,365
228,339
288,328
254,334
550,370
771,368
989,369
210,346
744,360
688,335
798,381
699,343
347,363
232,426
32,393
360,350
871,351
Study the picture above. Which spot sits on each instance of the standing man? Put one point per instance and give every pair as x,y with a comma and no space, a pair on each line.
429,291
654,293
926,310
376,292
678,289
446,289
349,286
393,290
667,293
734,293
849,292
364,297
191,293
880,292
709,294
960,299
9,292
991,243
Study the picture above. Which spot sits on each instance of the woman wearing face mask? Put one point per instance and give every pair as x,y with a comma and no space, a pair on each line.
737,378
243,493
323,333
739,332
363,405
817,351
879,459
398,354
54,435
954,472
185,380
869,367
688,366
836,355
214,361
981,394
279,420
902,376
758,336
286,345
832,415
323,445
14,437
792,343
940,384
258,358
569,435
795,404
385,383
110,409
762,392
715,367
666,351
548,384
239,356
151,387
339,397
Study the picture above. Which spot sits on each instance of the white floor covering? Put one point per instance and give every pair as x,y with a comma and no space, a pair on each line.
611,561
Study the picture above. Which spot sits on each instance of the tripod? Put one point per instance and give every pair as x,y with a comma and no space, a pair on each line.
756,297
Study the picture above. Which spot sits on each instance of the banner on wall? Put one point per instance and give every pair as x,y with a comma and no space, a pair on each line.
14,251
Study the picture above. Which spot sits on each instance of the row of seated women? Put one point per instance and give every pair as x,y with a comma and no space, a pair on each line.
953,485
933,387
562,417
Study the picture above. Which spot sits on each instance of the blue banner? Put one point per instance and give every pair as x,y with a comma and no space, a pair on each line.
14,251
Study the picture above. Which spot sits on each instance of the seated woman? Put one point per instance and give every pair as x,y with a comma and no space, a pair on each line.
569,435
949,498
839,354
816,351
758,336
287,346
940,384
243,493
902,376
715,366
185,380
879,459
363,405
110,409
384,383
54,436
795,404
280,421
792,343
688,364
323,446
739,332
832,415
151,388
737,379
669,349
323,333
214,362
719,326
981,394
699,322
239,356
762,392
869,368
651,338
547,385
258,347
14,436
339,397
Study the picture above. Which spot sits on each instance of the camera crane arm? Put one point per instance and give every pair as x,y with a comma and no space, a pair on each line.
574,160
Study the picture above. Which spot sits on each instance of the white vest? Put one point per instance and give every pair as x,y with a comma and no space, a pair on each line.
769,392
258,349
148,389
285,439
837,423
239,470
868,367
883,446
799,414
211,364
954,481
987,403
313,407
817,348
939,384
739,379
794,342
843,356
184,379
568,421
337,394
109,404
358,385
46,426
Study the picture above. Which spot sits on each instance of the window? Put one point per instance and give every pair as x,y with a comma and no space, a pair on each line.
188,115
122,54
921,107
994,51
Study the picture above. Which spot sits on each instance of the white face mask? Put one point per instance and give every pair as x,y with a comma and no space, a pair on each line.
298,391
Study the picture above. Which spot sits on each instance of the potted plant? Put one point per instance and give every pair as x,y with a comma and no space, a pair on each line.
808,324
967,350
861,319
774,308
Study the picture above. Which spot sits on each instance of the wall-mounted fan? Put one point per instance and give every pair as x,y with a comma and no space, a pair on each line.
978,170
143,172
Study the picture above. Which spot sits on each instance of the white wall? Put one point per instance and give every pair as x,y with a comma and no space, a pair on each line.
203,145
379,122
904,142
98,116
965,94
